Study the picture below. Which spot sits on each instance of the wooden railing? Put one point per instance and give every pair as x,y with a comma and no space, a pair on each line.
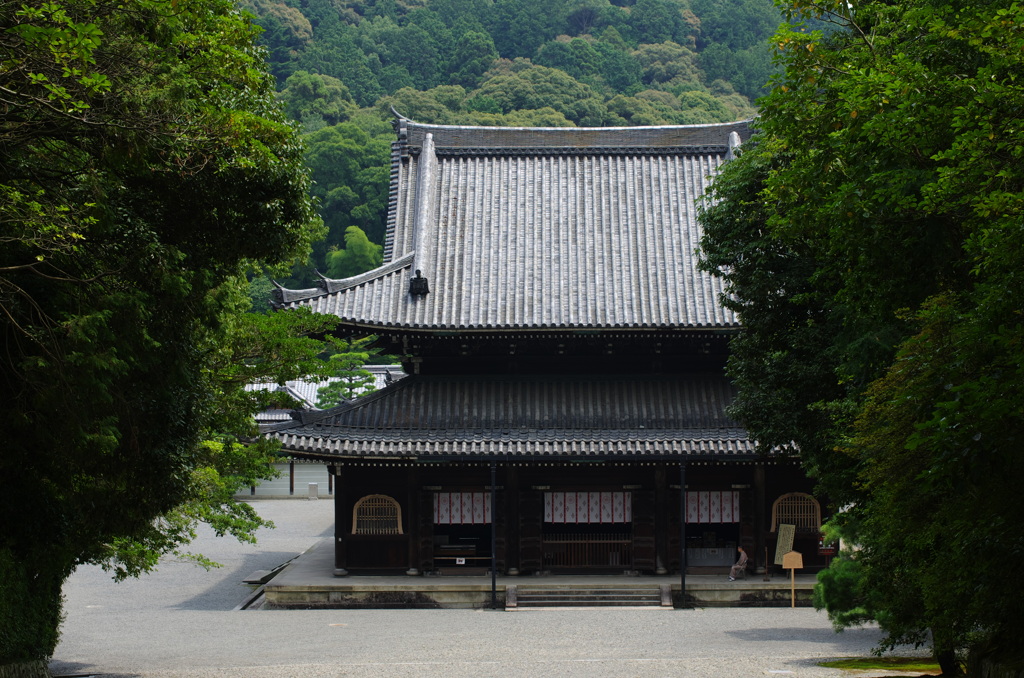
588,551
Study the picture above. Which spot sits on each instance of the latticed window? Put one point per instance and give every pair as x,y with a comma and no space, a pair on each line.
377,514
797,508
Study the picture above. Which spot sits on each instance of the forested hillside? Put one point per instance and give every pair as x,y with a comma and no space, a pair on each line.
341,65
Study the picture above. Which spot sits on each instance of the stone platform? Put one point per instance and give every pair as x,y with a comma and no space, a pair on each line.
308,582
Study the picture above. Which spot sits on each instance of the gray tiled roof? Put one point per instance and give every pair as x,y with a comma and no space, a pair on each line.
541,228
528,416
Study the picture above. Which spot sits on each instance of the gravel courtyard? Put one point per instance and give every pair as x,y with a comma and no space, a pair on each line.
181,622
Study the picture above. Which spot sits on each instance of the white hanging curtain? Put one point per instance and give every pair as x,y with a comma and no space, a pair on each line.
462,508
588,507
713,507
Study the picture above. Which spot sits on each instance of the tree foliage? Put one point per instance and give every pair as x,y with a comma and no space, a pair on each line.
144,167
347,376
359,255
871,240
350,168
317,100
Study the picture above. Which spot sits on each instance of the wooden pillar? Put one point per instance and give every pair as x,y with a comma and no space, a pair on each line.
682,534
511,508
760,513
494,534
661,520
342,515
412,484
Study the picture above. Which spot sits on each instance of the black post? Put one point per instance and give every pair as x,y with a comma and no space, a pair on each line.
494,536
682,534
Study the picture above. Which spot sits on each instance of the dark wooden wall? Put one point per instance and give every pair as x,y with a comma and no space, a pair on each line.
519,515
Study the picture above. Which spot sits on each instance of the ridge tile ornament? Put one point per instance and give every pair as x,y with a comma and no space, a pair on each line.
418,286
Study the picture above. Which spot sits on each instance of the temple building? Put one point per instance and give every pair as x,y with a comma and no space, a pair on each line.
565,409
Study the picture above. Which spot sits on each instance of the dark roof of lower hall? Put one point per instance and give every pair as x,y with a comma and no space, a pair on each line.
527,417
540,229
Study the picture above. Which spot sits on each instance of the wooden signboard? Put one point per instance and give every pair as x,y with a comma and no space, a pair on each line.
785,542
792,561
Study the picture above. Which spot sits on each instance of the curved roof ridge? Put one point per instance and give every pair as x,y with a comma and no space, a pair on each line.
338,284
705,135
330,285
621,128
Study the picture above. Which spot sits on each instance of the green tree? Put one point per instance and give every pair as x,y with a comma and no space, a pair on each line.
618,69
888,173
359,255
347,376
422,106
144,166
244,349
311,96
558,54
737,24
699,107
409,48
376,49
658,21
286,32
593,62
781,363
667,62
519,27
336,54
584,15
456,12
261,290
350,168
521,85
418,52
749,70
474,54
537,117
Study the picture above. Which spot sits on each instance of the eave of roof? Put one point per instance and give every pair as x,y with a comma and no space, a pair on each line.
528,417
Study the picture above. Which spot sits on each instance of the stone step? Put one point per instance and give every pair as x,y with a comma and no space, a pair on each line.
597,595
590,596
587,597
545,604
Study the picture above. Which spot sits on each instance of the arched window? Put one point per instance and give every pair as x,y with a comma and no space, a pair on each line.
377,514
797,508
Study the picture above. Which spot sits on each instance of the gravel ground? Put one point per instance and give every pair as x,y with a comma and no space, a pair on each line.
181,622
